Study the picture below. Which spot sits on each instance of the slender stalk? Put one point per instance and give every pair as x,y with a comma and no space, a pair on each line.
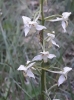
42,21
43,76
43,83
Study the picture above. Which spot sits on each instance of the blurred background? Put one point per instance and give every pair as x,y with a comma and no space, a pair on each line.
16,49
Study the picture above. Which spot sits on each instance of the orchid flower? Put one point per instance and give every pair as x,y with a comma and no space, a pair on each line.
43,56
63,76
64,73
31,25
51,39
64,19
27,70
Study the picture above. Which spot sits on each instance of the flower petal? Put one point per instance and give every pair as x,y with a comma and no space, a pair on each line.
66,15
25,19
30,65
50,56
64,26
61,80
53,42
30,74
22,68
67,69
57,19
26,30
37,58
45,59
40,27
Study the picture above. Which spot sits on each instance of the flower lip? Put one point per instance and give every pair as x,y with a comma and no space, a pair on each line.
45,55
61,80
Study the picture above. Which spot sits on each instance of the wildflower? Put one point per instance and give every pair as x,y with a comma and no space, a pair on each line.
64,73
27,70
63,76
31,25
64,19
51,39
43,56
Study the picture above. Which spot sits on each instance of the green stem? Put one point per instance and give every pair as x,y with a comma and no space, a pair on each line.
43,83
43,76
42,21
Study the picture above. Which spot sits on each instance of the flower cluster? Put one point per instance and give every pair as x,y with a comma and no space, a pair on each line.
29,26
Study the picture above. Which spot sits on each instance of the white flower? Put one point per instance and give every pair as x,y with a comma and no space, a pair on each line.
64,73
43,56
31,25
63,76
27,70
65,15
64,19
51,39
